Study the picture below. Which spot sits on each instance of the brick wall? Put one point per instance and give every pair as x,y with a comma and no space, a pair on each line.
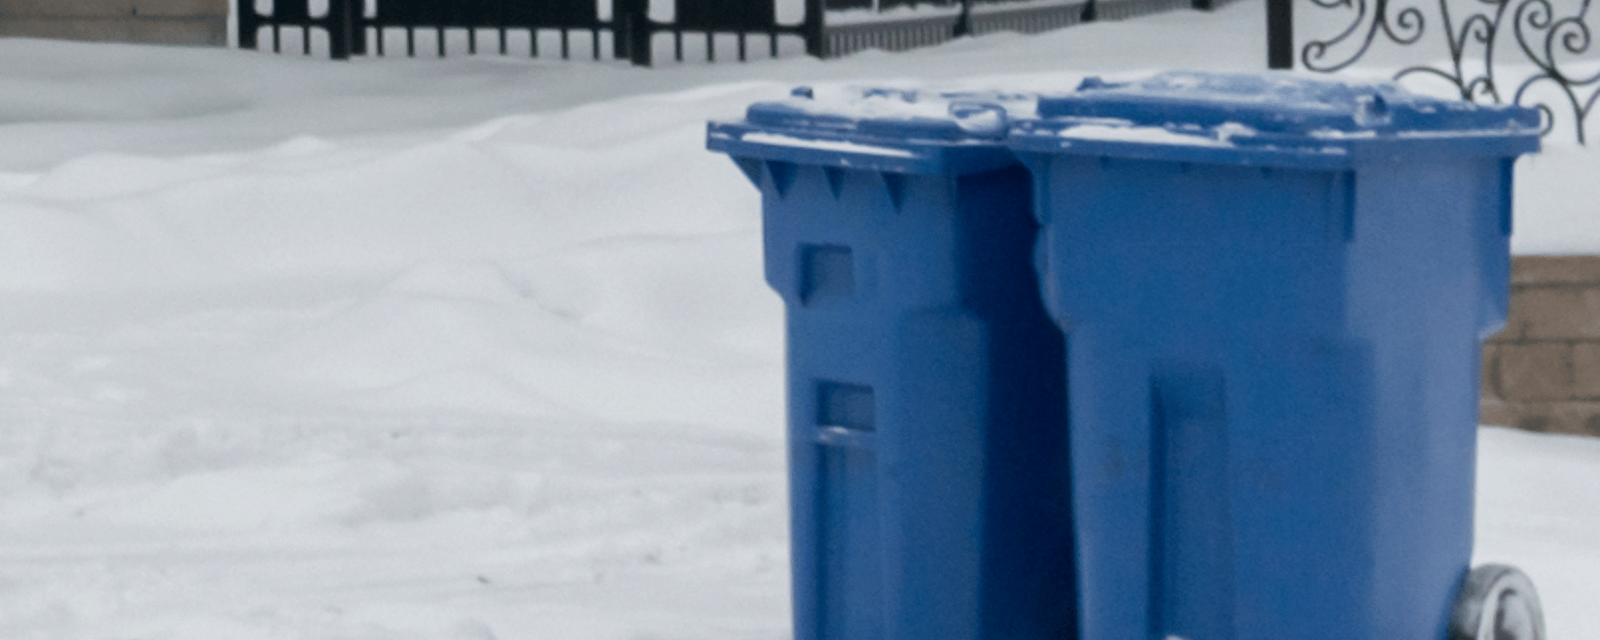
184,22
1542,372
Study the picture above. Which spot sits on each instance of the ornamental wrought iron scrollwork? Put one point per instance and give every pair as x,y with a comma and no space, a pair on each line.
1547,39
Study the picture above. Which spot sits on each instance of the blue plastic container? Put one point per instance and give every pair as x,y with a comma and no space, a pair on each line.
927,436
1274,291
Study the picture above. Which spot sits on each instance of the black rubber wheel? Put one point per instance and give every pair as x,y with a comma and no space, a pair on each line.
1497,602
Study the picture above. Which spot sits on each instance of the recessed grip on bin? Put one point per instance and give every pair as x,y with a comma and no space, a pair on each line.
827,274
846,415
1192,581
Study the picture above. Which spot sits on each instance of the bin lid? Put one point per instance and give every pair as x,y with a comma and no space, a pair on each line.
1271,118
880,129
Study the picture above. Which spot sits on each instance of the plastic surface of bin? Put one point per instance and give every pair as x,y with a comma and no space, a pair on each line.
927,436
1273,291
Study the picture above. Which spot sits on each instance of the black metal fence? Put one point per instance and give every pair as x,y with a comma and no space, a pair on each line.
352,29
979,17
1533,53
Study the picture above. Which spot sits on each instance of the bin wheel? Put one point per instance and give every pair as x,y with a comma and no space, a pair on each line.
1497,602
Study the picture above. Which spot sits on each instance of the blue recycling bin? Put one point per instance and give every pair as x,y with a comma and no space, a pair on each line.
926,400
1273,291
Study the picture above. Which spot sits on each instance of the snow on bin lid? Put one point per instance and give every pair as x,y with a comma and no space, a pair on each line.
881,129
1268,118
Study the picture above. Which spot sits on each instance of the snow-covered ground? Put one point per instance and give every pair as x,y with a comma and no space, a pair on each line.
475,348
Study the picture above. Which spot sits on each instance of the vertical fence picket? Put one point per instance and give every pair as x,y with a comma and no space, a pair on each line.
1280,34
339,25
